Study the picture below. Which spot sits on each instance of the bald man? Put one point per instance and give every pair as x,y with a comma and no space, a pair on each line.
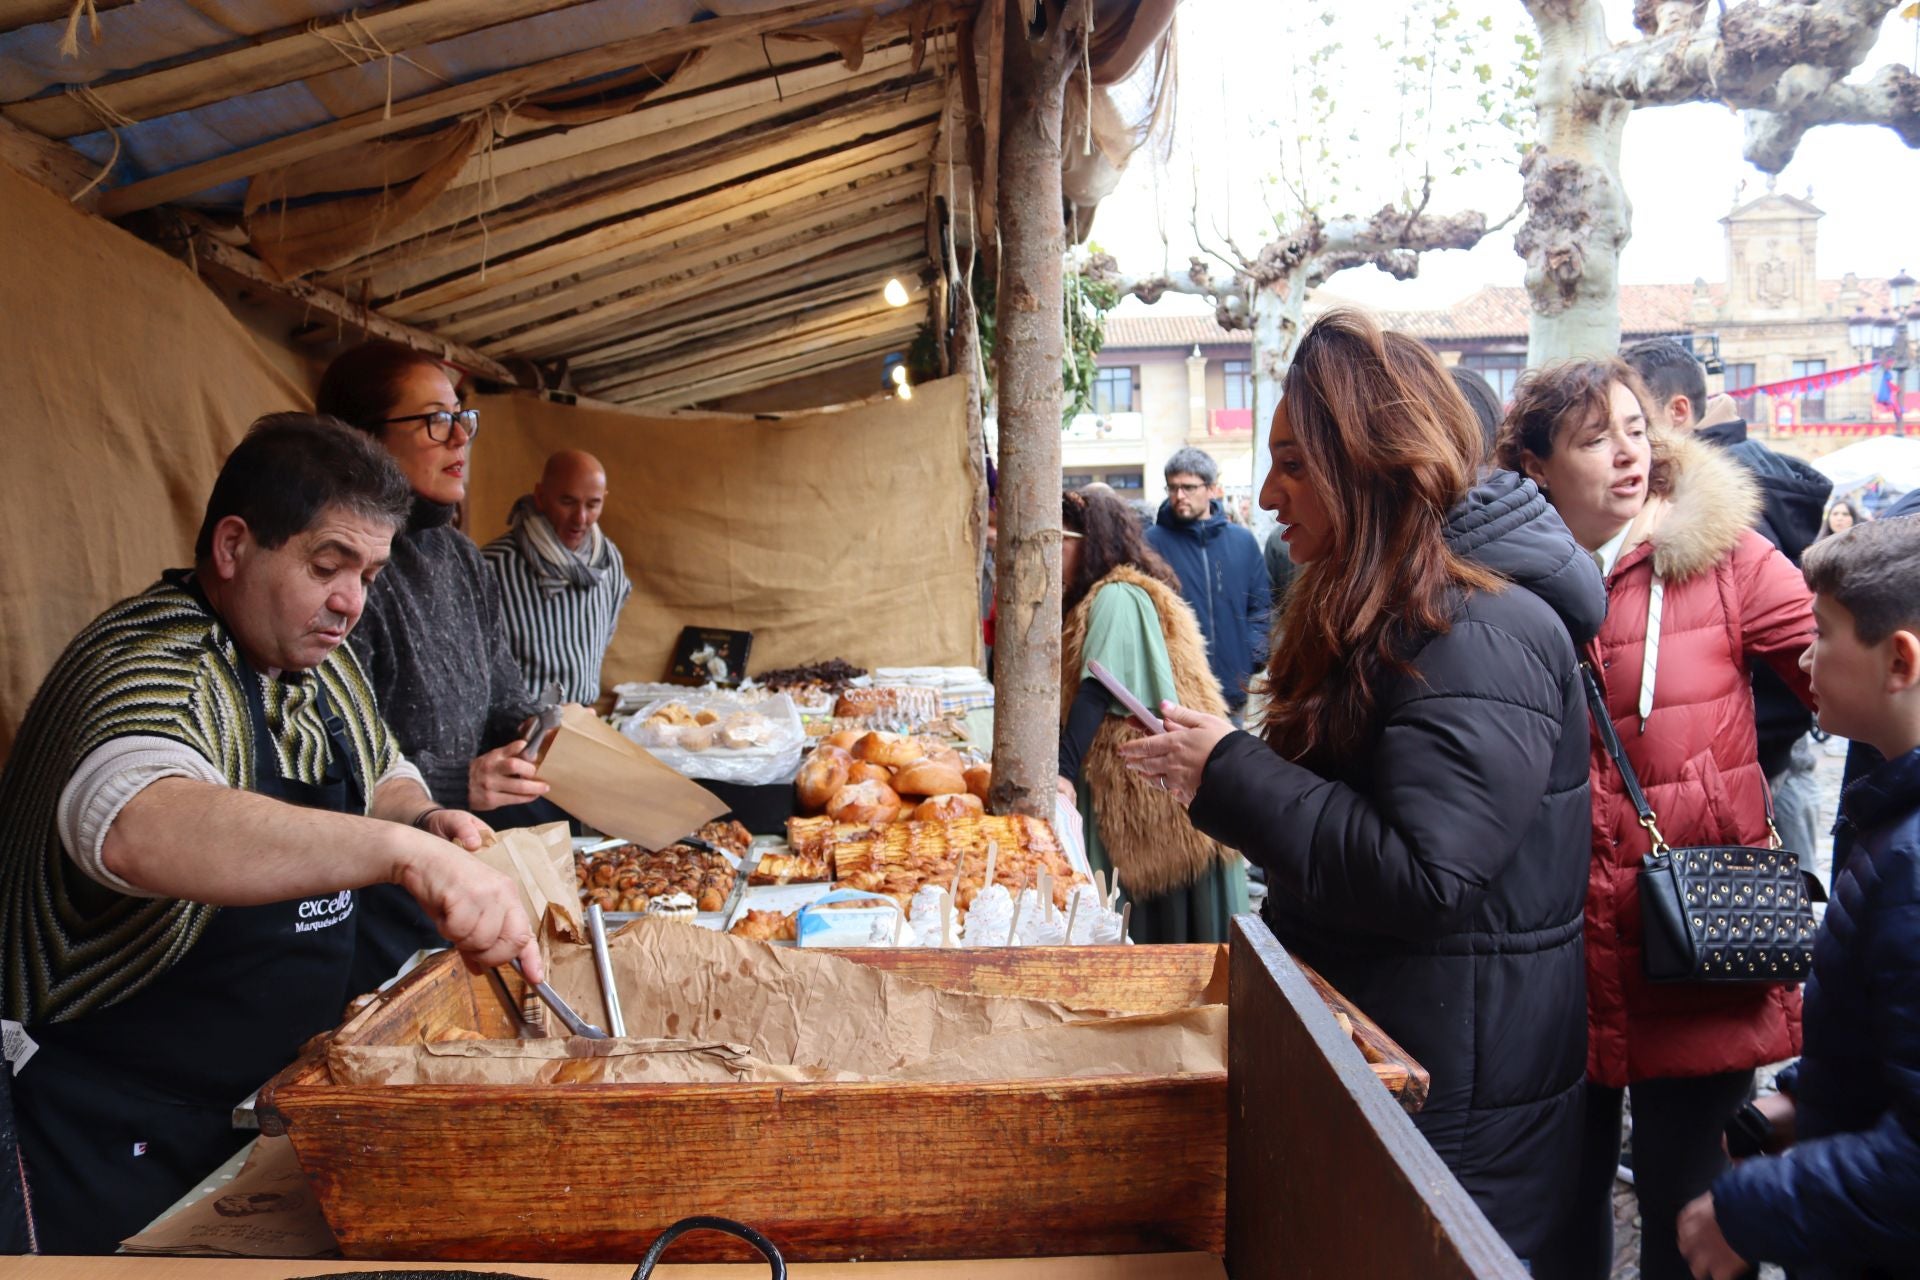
562,582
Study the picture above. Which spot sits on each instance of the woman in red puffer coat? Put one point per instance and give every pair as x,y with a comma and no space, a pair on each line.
1694,596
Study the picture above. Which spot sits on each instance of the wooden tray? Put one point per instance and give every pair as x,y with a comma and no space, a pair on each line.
1119,1164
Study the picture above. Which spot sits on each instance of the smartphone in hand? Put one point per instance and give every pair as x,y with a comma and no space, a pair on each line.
1124,695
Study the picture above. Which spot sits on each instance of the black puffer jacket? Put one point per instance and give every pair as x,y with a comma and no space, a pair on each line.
1439,880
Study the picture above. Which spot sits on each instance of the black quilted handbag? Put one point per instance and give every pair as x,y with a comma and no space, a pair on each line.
1720,913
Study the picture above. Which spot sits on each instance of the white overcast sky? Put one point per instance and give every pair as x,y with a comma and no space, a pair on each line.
1681,166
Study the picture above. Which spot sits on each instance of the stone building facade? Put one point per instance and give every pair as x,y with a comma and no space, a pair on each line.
1169,380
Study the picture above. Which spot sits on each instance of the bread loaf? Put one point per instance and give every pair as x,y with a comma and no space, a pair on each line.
866,771
979,777
950,808
864,802
824,773
925,778
889,749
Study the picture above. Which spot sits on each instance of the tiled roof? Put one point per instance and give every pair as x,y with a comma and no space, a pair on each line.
1495,312
1172,330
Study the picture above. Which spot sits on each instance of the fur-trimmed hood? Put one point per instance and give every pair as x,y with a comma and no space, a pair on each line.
1709,502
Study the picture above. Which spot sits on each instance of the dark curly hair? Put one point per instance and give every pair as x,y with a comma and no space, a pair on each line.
1112,537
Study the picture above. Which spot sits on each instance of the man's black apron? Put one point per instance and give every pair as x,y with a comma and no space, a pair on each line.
125,1108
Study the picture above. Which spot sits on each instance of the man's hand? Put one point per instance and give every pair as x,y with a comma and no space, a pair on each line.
1177,758
459,826
1707,1252
500,778
475,908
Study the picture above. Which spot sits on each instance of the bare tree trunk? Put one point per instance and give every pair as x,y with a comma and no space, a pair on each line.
1028,354
1279,318
1578,215
965,360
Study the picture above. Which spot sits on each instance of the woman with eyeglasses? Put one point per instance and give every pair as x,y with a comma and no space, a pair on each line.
432,637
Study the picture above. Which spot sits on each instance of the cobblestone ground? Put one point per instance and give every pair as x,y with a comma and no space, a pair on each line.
1831,760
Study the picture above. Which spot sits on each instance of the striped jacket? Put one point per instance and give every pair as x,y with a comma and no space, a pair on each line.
156,664
558,637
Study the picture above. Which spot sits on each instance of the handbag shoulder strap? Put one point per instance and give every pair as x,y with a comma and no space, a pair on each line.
1597,705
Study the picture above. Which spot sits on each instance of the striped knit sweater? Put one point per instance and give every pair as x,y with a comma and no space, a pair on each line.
558,637
157,664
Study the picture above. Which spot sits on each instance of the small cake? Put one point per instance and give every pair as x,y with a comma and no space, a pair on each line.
673,906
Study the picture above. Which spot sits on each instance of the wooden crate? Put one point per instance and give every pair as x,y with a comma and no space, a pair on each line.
1119,1164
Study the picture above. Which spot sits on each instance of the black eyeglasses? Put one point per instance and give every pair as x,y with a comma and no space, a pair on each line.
440,423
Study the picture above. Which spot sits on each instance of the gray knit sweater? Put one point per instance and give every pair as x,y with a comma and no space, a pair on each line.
433,641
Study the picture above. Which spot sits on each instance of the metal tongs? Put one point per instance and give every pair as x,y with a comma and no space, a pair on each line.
573,1022
546,718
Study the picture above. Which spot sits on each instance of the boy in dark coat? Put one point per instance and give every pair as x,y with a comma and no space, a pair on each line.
1844,1198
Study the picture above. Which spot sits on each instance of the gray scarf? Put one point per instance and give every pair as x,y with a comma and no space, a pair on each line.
557,565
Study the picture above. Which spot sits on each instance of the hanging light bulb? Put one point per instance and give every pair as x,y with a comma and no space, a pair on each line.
895,293
899,375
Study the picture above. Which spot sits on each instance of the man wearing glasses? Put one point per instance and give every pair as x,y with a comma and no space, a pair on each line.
1222,574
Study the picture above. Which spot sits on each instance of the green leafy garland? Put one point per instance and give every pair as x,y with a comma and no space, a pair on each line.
1086,305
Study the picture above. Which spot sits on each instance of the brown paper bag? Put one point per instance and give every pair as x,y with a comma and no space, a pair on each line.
267,1211
603,779
540,861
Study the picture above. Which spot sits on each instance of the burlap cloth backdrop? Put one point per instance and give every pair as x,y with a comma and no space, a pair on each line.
123,384
837,534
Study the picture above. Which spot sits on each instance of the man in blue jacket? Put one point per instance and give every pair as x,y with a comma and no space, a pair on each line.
1844,1197
1222,574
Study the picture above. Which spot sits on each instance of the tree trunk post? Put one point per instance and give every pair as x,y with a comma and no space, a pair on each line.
1578,215
965,359
1028,353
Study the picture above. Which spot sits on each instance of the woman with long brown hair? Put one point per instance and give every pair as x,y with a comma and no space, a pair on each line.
1124,610
1419,801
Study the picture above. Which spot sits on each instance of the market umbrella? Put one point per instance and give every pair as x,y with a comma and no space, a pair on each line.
1891,460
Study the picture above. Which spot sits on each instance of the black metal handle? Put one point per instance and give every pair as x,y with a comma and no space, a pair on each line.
708,1223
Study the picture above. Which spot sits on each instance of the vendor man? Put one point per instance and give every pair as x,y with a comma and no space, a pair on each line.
199,787
562,582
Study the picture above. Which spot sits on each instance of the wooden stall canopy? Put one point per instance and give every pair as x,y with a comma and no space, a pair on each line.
655,203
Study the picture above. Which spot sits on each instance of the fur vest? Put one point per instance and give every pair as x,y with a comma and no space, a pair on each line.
1145,830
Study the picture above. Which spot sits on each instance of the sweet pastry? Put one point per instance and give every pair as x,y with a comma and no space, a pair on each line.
864,802
927,778
767,926
673,906
893,750
979,777
948,808
824,773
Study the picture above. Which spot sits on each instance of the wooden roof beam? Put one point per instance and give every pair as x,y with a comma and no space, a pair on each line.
457,100
267,60
765,297
701,354
583,249
725,242
54,165
793,340
665,282
606,336
649,171
765,374
213,255
15,14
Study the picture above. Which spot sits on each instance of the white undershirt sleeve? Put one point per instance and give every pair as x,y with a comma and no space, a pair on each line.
99,789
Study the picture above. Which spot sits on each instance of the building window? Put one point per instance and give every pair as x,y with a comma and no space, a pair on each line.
1501,369
1813,406
1739,378
1113,388
1239,376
